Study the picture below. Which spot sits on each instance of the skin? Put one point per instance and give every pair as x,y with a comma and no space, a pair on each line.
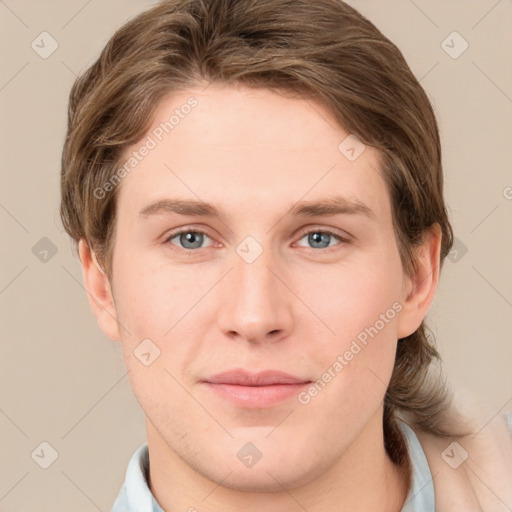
299,305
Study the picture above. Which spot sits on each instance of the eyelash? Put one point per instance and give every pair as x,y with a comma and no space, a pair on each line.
173,235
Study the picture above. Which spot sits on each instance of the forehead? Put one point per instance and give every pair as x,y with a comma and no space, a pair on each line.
237,146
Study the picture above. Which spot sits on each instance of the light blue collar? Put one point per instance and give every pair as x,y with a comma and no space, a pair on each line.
135,495
421,492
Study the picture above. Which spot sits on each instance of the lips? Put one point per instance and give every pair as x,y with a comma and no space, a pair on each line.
255,390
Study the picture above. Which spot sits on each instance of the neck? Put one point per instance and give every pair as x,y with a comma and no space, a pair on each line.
364,478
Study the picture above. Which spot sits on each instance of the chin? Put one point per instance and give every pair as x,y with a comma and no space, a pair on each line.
267,479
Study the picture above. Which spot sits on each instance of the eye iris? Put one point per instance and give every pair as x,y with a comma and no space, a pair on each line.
319,237
193,238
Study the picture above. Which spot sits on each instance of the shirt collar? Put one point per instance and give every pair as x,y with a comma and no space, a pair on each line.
135,495
421,492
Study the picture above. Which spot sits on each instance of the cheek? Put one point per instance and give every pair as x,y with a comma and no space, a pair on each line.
163,319
359,308
353,296
150,300
157,341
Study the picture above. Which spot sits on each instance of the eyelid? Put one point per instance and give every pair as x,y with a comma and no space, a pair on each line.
186,229
344,236
342,240
302,232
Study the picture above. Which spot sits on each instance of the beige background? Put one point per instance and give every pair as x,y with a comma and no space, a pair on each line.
64,383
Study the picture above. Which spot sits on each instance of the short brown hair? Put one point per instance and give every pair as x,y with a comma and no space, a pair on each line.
323,50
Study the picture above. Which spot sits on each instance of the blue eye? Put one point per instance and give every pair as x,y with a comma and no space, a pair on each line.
320,239
189,239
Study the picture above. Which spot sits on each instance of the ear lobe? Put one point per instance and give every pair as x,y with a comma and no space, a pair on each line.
99,292
421,288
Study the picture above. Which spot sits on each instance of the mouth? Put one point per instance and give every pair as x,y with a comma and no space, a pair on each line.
255,390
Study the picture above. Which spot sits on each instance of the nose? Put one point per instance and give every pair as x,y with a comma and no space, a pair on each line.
256,304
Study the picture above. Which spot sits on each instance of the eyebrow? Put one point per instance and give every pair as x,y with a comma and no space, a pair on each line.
329,206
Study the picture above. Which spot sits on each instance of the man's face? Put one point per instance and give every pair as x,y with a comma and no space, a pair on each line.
256,287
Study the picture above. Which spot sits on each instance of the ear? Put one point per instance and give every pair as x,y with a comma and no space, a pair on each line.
420,289
99,292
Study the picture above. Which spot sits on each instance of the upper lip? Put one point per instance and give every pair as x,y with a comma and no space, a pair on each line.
245,378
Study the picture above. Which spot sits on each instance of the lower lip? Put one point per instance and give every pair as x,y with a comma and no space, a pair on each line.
256,397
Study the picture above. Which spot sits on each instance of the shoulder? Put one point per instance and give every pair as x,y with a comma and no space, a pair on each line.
471,471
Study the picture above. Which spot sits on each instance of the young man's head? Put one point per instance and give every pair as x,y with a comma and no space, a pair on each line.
257,185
